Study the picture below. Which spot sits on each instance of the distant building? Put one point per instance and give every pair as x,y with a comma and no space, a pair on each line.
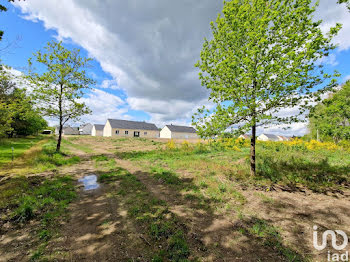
268,137
283,138
68,130
46,132
184,132
126,128
97,130
85,129
245,136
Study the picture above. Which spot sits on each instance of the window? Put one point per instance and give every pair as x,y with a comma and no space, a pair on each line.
126,132
117,132
145,133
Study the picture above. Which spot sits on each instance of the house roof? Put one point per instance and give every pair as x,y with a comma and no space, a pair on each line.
271,136
85,125
126,124
70,130
245,136
99,127
181,129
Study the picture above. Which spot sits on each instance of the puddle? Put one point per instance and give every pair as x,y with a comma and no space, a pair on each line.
90,182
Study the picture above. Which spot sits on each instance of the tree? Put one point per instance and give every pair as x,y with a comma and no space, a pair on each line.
262,58
59,89
347,2
9,103
18,114
331,117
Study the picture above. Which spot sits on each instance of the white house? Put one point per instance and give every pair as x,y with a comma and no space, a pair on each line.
268,137
68,130
97,130
85,129
182,132
245,136
126,128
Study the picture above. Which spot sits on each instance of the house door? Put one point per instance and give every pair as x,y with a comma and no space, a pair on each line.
136,134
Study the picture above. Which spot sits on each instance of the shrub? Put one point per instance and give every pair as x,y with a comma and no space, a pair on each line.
171,145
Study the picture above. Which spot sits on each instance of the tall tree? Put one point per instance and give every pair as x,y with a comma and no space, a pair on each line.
9,103
263,57
331,117
347,2
60,87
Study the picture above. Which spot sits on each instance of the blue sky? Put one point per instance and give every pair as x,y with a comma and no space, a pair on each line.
144,54
26,37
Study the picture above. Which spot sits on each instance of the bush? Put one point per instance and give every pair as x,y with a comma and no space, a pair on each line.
171,145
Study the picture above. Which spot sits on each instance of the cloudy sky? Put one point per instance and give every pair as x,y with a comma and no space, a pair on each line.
144,51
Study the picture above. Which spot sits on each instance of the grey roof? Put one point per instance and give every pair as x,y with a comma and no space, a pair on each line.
99,127
181,129
85,129
271,136
126,124
69,130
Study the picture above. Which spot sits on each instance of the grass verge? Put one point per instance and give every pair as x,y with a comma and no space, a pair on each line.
20,145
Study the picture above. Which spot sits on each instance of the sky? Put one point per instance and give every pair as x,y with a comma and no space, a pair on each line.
144,52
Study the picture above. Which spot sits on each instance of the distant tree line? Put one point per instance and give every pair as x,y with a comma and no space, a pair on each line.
18,115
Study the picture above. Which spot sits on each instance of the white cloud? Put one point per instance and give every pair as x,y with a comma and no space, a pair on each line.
109,84
295,129
103,106
331,13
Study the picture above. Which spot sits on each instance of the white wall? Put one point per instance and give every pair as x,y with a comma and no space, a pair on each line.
165,132
262,137
95,132
107,130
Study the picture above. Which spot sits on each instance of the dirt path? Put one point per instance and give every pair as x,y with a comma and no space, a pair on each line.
97,229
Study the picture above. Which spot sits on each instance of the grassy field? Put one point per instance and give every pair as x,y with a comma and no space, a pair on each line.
20,145
173,200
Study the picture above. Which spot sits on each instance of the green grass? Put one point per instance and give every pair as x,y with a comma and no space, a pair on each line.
320,170
313,169
23,199
84,148
49,159
151,215
20,145
264,232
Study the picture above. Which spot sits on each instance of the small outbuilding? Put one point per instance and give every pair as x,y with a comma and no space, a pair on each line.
181,132
85,129
268,137
126,128
97,130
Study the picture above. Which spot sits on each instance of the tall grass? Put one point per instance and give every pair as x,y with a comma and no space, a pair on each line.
317,166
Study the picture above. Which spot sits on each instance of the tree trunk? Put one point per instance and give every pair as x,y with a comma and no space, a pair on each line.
252,151
58,147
